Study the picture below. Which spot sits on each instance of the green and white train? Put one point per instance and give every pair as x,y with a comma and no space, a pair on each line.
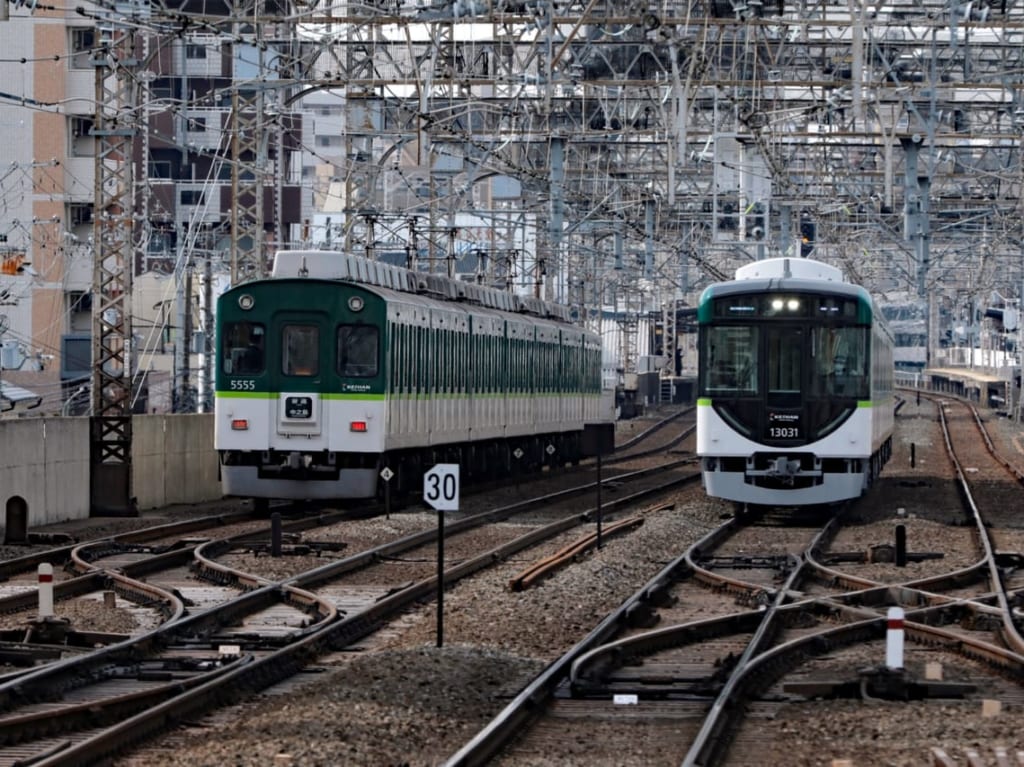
795,395
339,373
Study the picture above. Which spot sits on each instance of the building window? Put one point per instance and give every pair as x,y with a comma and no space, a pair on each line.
80,47
193,51
82,143
197,125
79,312
190,197
79,214
160,169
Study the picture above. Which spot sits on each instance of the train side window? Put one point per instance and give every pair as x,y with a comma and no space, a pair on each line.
300,350
358,347
244,349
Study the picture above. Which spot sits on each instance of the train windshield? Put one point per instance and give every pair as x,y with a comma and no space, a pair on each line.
841,361
300,350
741,360
731,354
784,353
357,350
243,351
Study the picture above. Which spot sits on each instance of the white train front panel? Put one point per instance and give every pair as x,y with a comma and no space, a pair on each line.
851,444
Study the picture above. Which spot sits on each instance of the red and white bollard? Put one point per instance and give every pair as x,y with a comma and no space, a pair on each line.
894,639
45,590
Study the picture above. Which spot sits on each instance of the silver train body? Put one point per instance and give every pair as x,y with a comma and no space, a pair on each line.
338,374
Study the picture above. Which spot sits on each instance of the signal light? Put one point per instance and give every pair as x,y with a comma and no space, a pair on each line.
359,426
240,424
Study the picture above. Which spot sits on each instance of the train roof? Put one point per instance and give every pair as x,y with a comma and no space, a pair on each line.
334,265
790,274
798,274
790,268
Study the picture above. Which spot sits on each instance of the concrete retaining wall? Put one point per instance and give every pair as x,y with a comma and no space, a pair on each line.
44,465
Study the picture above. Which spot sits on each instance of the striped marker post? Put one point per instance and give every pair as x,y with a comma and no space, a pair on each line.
894,638
45,590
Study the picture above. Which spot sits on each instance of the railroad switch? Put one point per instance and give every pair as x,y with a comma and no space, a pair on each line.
880,683
49,629
641,615
1009,559
878,553
49,539
753,562
296,549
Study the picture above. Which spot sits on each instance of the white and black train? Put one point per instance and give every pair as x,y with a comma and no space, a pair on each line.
795,398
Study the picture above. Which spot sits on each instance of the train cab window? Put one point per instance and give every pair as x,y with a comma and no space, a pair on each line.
841,361
357,350
244,348
300,350
785,352
731,353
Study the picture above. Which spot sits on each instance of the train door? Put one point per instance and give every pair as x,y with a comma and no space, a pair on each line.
302,367
784,356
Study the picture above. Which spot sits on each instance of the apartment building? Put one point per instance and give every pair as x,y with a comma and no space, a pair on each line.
183,182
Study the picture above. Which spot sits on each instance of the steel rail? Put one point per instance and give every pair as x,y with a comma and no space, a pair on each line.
286,661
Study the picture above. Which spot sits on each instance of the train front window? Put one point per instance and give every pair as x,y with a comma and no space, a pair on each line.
300,350
244,349
357,351
841,361
785,350
731,352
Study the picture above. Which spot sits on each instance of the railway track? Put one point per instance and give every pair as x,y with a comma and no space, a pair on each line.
273,629
754,620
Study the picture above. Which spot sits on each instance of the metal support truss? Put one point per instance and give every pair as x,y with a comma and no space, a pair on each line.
247,260
113,232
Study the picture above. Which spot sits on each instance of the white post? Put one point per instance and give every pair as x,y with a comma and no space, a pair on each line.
894,639
45,590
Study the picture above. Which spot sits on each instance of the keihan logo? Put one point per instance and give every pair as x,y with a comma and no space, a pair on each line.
356,387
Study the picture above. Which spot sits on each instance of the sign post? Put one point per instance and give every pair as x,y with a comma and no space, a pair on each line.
386,474
598,439
441,491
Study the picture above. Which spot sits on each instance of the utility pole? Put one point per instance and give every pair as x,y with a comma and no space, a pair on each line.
916,229
115,59
248,161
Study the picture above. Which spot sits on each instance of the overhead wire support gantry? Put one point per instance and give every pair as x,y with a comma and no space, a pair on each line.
116,58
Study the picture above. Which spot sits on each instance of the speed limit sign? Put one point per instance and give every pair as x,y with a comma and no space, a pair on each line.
441,487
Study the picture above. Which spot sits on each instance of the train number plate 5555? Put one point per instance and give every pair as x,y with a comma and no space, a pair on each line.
298,407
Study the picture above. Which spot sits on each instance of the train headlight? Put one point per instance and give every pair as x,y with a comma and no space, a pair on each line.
246,302
356,303
777,304
792,304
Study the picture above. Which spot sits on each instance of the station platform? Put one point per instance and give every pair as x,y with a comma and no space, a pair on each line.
978,385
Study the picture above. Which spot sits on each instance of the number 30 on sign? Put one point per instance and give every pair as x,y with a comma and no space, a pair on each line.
441,487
